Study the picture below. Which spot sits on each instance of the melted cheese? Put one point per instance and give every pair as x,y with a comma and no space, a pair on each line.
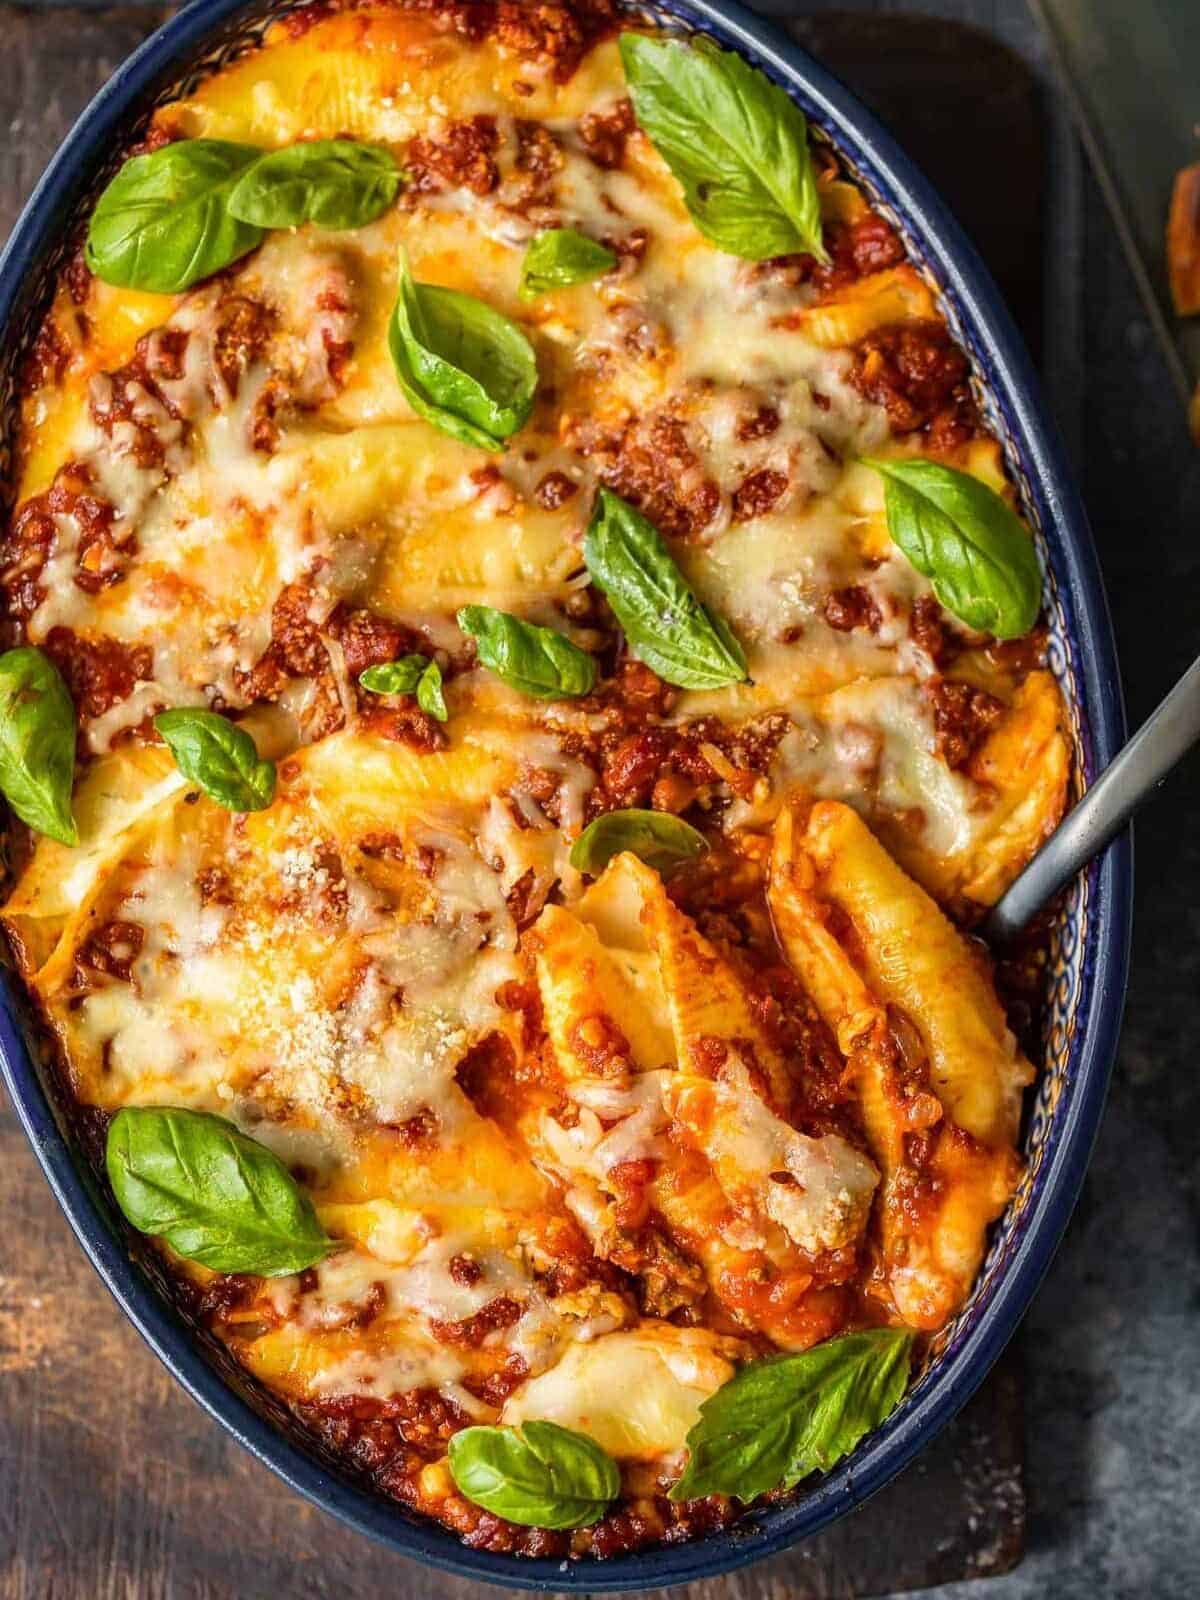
818,1190
637,1394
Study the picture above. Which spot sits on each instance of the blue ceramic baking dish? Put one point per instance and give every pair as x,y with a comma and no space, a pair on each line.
1090,946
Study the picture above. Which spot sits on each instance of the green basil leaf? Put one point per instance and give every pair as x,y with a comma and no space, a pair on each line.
736,142
336,183
541,1476
537,661
975,550
395,677
666,625
413,674
560,257
429,693
781,1418
37,743
662,841
164,222
214,1194
219,756
462,366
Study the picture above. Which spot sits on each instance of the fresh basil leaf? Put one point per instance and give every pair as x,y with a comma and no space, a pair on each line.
37,743
781,1418
336,183
219,756
429,693
462,366
214,1194
413,674
395,677
736,142
542,1476
664,622
975,550
660,840
560,257
537,661
164,222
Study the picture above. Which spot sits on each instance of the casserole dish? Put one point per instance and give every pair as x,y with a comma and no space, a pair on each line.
1078,1041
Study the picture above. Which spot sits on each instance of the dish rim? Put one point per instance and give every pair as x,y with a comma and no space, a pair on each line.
962,276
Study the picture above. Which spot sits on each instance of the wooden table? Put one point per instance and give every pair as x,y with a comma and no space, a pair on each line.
113,1485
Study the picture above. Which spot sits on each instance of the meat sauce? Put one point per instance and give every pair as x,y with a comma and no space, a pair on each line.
33,534
394,1441
302,619
462,157
921,378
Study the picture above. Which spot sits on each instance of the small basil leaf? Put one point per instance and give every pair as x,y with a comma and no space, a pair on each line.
462,366
219,756
164,222
429,692
666,625
662,841
560,257
542,1476
537,661
395,677
973,548
336,183
37,743
781,1418
215,1195
736,142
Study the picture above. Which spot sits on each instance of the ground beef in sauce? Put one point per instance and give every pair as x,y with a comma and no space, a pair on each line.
296,648
48,359
103,549
128,406
962,717
461,157
554,490
929,628
540,158
629,246
302,618
852,607
407,725
111,951
921,378
855,250
759,424
78,275
243,328
470,1332
553,36
652,465
367,639
604,133
494,1388
758,493
99,672
548,36
642,763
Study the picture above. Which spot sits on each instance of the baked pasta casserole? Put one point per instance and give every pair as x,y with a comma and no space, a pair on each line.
525,669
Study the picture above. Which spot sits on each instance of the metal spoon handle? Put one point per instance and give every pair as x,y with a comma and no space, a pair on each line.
1136,772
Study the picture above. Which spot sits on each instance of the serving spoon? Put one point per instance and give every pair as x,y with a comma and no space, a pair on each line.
1137,770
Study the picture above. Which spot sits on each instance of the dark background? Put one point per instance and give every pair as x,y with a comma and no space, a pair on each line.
1111,1345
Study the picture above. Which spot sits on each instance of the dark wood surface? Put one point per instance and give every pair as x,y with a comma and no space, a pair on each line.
113,1485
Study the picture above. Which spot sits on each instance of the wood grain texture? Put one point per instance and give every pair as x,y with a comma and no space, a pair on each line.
113,1484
